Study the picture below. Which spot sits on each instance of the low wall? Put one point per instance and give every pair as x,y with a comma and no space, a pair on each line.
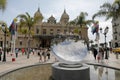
34,72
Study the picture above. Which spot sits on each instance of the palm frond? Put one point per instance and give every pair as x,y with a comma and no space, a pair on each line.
3,4
22,16
89,22
100,13
109,10
106,6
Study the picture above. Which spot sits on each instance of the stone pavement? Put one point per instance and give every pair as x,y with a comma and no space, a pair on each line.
112,62
22,61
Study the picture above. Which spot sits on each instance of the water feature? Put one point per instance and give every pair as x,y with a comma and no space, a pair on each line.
69,53
44,72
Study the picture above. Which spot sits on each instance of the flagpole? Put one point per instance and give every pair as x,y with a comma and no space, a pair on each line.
14,44
95,29
11,44
13,34
14,37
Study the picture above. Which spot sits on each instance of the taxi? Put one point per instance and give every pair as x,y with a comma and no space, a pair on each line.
116,50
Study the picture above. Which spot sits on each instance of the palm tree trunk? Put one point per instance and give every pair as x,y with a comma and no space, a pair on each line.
28,55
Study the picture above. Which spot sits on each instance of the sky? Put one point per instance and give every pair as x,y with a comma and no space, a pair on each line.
56,8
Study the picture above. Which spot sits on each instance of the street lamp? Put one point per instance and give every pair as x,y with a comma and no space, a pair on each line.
4,30
105,32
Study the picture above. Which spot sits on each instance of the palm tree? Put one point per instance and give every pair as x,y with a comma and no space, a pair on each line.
3,4
7,29
81,19
6,33
27,21
116,4
109,10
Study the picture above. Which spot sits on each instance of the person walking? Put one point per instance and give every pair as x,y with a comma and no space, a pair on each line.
94,52
39,54
48,54
23,51
99,55
0,54
44,54
16,52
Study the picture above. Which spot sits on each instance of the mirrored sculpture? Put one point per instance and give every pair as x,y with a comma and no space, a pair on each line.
70,50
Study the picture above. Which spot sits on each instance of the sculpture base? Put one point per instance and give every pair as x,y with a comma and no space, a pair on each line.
61,71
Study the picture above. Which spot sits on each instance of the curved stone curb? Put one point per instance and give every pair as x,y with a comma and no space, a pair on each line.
12,70
97,64
38,64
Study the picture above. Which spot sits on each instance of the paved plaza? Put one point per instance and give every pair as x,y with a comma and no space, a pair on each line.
22,61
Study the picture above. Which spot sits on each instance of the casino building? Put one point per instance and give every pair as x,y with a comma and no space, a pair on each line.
44,32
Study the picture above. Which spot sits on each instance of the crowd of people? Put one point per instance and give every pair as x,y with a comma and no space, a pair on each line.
101,53
42,53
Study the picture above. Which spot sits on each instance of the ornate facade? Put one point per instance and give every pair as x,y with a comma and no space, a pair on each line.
44,32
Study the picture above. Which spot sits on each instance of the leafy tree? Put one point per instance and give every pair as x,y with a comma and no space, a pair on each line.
7,29
81,19
27,21
3,4
109,10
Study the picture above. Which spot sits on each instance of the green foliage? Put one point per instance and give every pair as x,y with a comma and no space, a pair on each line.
81,20
7,29
3,4
25,26
76,30
109,10
27,21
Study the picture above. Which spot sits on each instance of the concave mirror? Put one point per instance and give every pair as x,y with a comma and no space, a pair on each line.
69,50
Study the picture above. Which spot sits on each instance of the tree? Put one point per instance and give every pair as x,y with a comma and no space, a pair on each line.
109,10
7,29
27,21
81,19
3,4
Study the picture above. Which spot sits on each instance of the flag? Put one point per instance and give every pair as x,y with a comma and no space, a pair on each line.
97,37
13,27
95,28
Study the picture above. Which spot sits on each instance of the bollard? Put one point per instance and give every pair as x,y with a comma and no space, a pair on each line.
13,59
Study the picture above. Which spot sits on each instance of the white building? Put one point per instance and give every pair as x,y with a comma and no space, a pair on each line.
116,32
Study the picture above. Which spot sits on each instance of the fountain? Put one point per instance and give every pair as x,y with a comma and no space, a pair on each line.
70,53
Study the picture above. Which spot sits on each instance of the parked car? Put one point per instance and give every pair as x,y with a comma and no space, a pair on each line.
116,50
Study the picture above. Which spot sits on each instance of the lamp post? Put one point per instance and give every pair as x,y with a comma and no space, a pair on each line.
4,54
105,33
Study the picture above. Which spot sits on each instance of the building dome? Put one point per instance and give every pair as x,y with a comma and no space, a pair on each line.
64,17
38,14
51,19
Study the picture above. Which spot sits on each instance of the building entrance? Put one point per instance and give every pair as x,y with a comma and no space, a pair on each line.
45,43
